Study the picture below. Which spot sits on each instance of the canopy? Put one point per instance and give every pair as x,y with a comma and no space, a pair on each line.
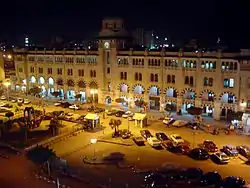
90,116
139,116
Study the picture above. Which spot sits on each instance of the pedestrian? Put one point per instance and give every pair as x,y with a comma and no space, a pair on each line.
44,111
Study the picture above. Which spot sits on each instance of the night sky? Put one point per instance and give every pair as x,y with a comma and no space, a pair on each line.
205,20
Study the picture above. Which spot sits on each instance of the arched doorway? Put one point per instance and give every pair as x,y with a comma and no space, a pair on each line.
41,80
171,92
32,79
154,99
123,88
207,110
93,86
207,95
51,81
188,94
108,100
71,94
185,107
138,89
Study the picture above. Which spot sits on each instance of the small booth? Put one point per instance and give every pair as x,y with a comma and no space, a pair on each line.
92,120
246,122
140,119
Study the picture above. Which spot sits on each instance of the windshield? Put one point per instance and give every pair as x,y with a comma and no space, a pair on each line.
178,137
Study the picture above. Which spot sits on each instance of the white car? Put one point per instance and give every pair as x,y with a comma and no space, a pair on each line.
20,100
154,142
26,101
3,97
221,157
74,107
179,123
176,139
127,114
58,103
2,104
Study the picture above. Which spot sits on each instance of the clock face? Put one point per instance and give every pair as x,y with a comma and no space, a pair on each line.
106,44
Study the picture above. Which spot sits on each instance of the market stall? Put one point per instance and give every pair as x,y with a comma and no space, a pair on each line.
140,119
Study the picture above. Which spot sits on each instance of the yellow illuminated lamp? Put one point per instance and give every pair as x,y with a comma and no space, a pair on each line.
93,140
7,84
93,91
9,56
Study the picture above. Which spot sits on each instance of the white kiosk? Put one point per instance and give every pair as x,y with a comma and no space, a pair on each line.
246,122
92,120
140,119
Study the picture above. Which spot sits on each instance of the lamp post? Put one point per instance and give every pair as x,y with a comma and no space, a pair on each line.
7,84
93,92
93,141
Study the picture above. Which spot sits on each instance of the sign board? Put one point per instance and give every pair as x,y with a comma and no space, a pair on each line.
9,68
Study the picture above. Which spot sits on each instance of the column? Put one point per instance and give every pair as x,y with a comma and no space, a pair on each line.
197,103
162,104
178,103
217,110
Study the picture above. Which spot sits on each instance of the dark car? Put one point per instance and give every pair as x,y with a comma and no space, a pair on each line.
188,174
99,110
209,146
161,136
233,182
91,109
230,151
119,113
179,149
146,134
125,133
8,106
111,112
193,125
139,141
65,104
244,150
209,179
199,154
155,180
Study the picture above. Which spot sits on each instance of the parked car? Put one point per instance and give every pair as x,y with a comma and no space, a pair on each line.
199,154
220,157
127,114
125,133
155,180
139,141
3,97
161,136
7,106
26,101
13,100
193,125
65,104
146,134
179,123
75,107
232,182
91,109
2,104
20,100
230,150
68,116
154,142
119,113
179,149
58,103
168,120
210,179
209,146
186,174
176,139
99,110
244,150
111,112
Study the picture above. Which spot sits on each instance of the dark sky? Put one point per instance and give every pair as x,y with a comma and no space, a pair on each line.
42,19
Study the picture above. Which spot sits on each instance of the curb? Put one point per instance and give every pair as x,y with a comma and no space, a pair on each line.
113,142
55,139
50,180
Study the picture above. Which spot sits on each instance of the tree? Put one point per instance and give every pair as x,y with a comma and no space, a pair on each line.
56,94
78,96
40,154
35,91
114,124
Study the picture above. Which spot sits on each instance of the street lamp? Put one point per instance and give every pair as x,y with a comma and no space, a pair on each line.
93,141
93,92
9,56
7,84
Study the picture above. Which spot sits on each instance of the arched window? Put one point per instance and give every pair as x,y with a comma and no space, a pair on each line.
202,65
210,81
156,77
186,80
231,66
173,79
136,76
140,77
191,81
205,81
151,77
235,66
168,78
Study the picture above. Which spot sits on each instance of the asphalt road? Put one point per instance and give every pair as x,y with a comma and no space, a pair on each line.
145,157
